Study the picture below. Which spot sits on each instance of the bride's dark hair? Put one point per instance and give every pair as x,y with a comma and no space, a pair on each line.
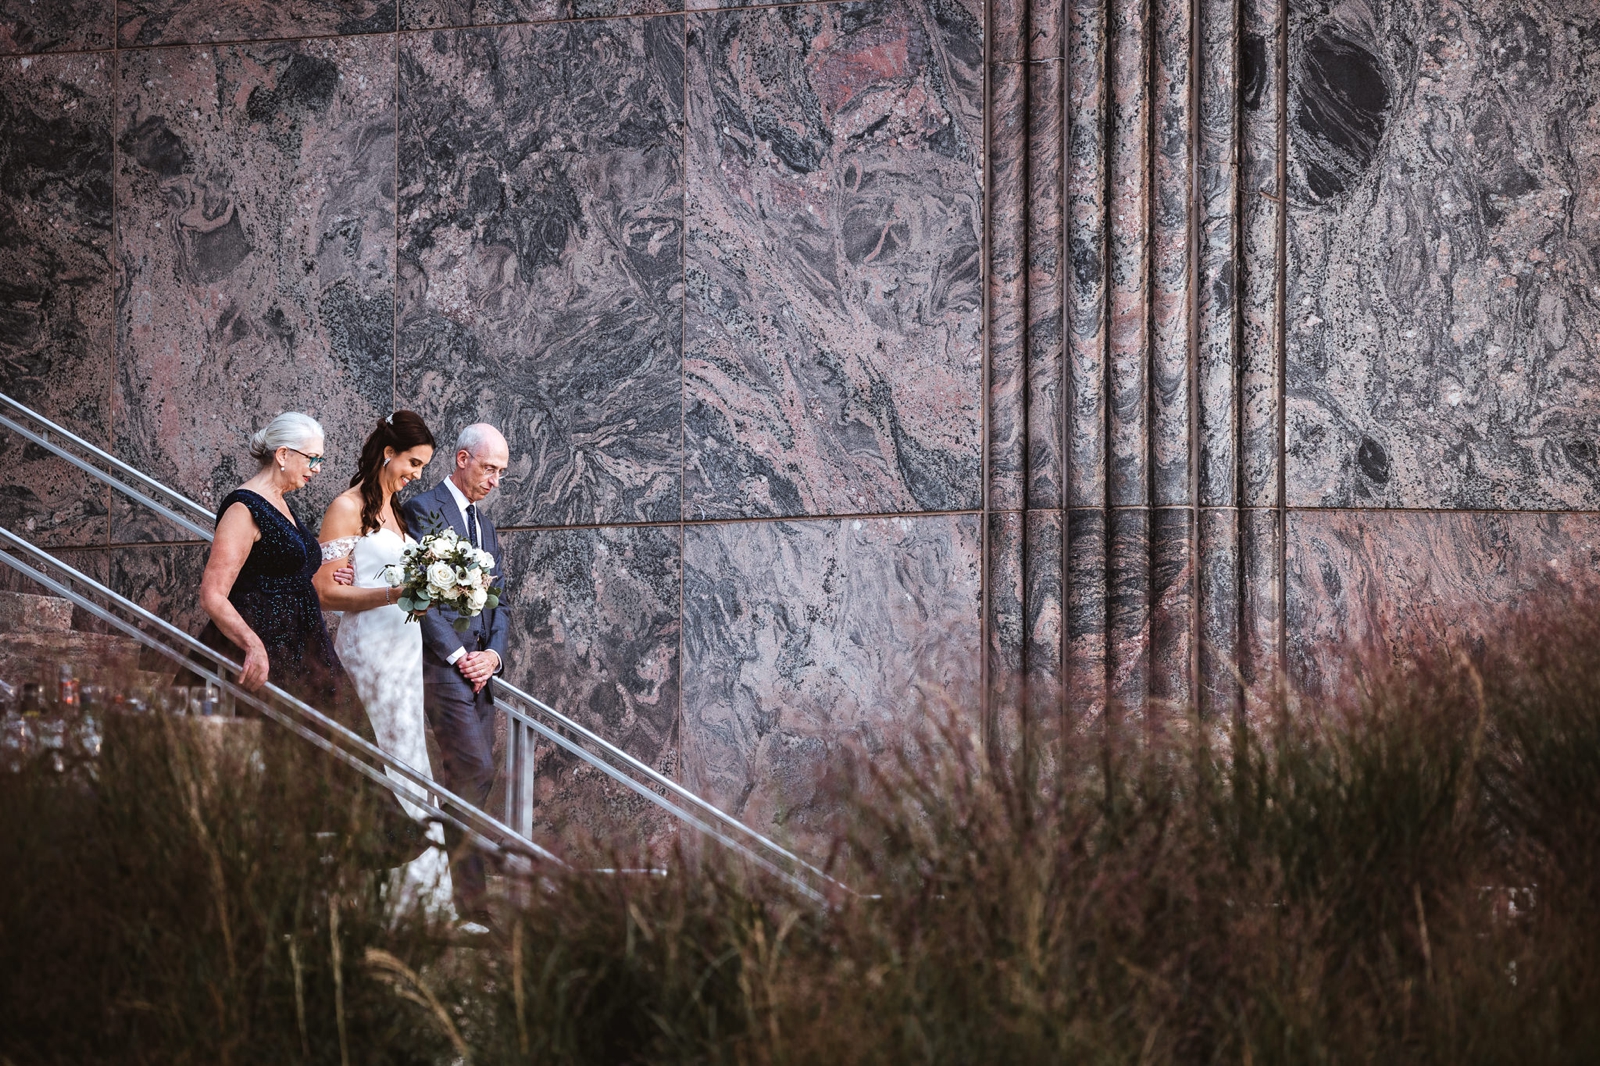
401,431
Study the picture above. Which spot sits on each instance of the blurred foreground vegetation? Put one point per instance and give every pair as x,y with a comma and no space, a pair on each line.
1413,878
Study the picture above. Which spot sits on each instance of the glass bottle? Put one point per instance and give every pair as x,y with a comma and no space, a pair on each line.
87,737
16,740
66,690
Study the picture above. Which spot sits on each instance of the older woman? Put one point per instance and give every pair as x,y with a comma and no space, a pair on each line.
257,589
257,585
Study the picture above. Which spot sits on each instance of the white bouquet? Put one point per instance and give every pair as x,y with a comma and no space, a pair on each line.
445,570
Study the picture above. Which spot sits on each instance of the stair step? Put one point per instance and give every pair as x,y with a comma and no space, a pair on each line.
95,657
28,612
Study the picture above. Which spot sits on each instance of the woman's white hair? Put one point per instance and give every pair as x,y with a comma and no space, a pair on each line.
289,430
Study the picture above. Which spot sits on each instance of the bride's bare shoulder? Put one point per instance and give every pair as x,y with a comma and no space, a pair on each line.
343,517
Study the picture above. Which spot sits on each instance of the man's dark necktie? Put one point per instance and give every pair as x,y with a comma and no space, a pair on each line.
472,525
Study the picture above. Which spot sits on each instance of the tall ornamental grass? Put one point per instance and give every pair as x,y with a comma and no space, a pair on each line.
1409,877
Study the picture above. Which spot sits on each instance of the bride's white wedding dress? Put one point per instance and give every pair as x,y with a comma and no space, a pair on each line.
382,653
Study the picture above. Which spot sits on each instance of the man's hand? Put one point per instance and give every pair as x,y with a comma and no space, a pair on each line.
478,667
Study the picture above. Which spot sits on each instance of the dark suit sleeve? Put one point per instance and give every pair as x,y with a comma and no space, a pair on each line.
498,624
438,635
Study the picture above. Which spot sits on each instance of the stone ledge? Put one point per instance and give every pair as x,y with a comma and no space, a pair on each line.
27,612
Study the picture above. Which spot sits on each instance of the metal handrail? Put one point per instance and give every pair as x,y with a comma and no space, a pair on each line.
708,812
732,833
176,497
686,817
484,828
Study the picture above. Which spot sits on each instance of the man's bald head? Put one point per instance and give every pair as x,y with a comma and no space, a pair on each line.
481,458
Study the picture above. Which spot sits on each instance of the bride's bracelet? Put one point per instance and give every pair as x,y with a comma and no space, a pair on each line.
386,592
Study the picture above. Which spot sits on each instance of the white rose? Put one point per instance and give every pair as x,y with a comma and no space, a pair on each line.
478,598
472,577
438,549
485,560
441,576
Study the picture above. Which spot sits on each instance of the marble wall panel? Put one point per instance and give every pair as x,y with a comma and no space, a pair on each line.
1369,588
163,579
1217,328
1008,286
1128,205
833,360
1261,632
1086,251
1047,29
541,257
1086,606
594,633
1217,586
1129,599
1046,356
1259,388
255,255
141,22
1172,609
1008,31
1044,603
28,27
1171,222
1460,368
55,283
1005,595
802,636
441,14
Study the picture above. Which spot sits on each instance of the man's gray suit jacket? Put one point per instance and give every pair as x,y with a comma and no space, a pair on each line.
424,513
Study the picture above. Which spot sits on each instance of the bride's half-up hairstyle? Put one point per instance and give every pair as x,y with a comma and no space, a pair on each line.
401,431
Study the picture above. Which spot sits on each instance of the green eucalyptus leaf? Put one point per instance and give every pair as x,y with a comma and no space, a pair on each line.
462,624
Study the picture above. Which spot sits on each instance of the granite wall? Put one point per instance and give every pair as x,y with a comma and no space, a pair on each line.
857,357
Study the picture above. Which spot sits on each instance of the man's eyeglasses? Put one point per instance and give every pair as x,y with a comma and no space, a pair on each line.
313,461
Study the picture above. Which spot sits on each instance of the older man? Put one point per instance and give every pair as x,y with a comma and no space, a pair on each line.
457,666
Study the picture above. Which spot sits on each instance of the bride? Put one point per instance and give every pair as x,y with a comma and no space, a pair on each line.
381,652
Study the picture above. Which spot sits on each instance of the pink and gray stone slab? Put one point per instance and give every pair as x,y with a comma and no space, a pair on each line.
256,239
1367,589
1444,301
803,636
541,257
55,283
28,27
143,22
832,357
442,14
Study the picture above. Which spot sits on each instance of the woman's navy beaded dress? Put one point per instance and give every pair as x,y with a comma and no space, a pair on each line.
274,595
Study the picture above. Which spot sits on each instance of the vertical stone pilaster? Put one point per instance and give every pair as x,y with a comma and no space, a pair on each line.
1171,282
1008,281
1045,352
1086,252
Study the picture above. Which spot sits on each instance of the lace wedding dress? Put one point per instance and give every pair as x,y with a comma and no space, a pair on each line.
382,653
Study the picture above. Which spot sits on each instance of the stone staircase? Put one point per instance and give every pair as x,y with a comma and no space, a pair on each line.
37,635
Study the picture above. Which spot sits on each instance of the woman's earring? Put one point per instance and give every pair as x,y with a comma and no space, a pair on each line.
282,467
386,462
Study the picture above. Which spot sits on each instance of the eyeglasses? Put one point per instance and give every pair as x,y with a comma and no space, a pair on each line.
313,461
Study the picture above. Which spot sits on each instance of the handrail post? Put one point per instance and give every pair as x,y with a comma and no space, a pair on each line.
522,818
